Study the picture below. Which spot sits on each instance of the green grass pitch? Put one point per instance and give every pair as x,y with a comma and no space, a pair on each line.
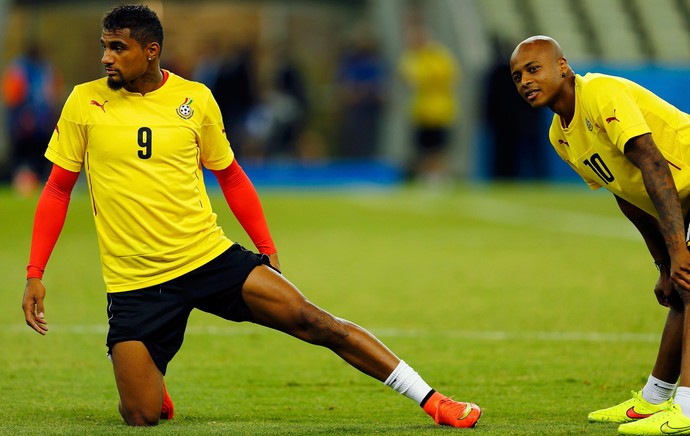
533,301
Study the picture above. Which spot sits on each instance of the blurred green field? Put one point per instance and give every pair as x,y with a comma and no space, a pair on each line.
533,301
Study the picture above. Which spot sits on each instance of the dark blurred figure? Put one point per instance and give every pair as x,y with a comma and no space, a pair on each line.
235,91
362,90
208,64
514,125
32,89
276,123
287,100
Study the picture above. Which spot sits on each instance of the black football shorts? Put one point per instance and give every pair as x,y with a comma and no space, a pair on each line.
157,315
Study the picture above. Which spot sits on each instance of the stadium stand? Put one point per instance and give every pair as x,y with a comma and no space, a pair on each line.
670,41
559,20
501,18
617,31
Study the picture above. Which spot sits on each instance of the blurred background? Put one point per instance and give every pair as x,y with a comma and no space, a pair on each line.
329,92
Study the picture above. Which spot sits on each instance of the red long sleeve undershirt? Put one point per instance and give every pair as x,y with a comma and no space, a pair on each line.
51,212
244,202
49,218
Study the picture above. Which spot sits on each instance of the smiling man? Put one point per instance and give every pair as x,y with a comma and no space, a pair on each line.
142,136
618,135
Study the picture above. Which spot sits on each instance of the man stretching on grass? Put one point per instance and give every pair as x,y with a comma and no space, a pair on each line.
142,135
616,134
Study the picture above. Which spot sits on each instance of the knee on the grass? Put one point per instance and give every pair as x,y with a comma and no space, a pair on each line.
136,417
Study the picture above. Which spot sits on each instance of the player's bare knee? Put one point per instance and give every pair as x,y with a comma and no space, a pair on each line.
140,420
136,417
322,328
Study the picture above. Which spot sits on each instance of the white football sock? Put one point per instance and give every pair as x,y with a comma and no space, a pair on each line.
406,381
657,391
683,399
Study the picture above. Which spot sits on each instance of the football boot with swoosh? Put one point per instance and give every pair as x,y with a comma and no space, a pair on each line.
671,421
634,409
446,411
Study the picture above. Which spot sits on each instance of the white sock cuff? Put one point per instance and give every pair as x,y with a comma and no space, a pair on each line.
683,391
393,378
406,381
657,391
683,399
660,383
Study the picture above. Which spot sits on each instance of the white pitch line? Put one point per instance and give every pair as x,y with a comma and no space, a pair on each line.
555,220
383,333
515,214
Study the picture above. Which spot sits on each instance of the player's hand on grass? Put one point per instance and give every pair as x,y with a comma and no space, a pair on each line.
32,303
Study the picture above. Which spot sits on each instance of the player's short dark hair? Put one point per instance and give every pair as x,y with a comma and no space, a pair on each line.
143,23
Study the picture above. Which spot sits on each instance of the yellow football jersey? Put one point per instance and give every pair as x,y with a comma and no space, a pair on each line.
432,72
142,157
609,111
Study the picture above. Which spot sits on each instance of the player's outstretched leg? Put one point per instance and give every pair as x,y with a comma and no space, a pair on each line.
276,303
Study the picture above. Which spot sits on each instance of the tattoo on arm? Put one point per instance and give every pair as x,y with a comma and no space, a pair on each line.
658,181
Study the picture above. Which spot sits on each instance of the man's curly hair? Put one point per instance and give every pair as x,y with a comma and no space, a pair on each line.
143,23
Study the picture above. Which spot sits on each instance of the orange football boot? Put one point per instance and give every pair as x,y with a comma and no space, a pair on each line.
446,411
168,408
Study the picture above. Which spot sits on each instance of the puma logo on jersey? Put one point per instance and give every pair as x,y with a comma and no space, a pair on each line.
613,118
102,106
562,142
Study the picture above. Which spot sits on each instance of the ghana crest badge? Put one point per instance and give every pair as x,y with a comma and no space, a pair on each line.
185,110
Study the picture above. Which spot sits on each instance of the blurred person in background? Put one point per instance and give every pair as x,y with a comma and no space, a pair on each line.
432,73
236,91
275,125
514,127
207,67
142,135
618,135
361,82
32,91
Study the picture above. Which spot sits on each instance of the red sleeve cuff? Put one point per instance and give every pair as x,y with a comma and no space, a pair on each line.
33,271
